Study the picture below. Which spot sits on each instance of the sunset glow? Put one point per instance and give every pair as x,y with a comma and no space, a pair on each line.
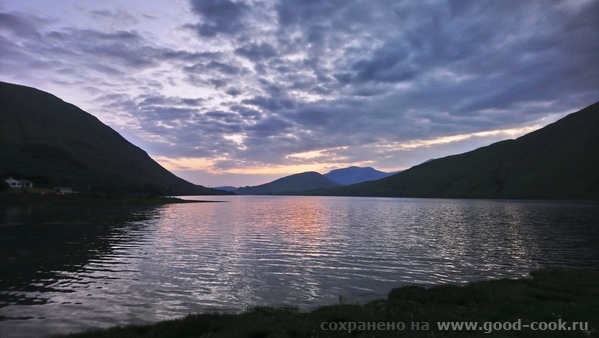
235,90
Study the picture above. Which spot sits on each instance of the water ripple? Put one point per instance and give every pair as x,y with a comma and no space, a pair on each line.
165,262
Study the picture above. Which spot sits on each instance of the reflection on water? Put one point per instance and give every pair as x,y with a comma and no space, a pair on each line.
65,270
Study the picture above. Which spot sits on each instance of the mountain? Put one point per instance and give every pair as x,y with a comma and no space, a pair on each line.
558,161
51,143
226,188
293,183
353,175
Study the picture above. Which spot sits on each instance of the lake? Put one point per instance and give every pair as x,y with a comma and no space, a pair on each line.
70,269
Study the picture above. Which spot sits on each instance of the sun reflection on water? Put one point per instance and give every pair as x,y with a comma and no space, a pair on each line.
147,264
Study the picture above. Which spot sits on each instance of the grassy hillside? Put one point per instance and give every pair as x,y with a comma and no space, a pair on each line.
353,175
293,183
558,161
51,142
553,297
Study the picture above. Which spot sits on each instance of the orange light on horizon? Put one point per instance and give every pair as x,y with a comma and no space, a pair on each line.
312,154
208,165
185,163
414,144
328,156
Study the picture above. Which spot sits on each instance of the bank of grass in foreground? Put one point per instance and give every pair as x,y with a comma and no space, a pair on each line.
552,295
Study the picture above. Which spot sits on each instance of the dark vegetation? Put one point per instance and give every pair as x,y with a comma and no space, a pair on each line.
552,295
288,184
311,180
53,143
353,175
558,161
226,188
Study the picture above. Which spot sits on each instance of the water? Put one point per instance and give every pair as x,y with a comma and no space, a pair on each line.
72,269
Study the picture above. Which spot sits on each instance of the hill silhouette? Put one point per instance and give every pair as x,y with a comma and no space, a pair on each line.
558,161
53,143
353,175
289,184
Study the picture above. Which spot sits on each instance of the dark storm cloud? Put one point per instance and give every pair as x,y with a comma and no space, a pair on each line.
384,68
218,16
127,48
21,25
182,55
300,12
314,117
247,113
217,66
218,83
180,126
233,91
224,68
107,53
216,72
224,117
150,100
15,28
271,126
256,52
270,104
259,82
464,69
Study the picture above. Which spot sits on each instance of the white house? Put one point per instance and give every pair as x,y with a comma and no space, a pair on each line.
18,183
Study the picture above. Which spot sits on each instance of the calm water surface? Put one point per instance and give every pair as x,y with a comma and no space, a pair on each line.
74,269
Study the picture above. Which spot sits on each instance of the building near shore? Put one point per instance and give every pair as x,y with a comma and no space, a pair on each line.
15,183
63,190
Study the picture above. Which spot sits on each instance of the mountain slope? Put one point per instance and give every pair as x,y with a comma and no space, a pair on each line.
353,175
293,183
558,161
226,188
51,142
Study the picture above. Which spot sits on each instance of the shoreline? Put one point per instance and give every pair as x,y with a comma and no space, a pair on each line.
97,199
551,295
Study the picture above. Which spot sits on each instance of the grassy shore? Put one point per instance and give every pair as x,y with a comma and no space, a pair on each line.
550,296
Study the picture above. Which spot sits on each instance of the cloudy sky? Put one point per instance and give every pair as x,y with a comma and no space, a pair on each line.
240,92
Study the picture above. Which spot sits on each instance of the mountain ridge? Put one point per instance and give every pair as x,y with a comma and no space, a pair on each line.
554,162
289,184
53,142
354,174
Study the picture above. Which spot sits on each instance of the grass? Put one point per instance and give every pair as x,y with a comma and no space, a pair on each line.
550,296
21,191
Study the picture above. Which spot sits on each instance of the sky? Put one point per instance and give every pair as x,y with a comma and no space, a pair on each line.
225,92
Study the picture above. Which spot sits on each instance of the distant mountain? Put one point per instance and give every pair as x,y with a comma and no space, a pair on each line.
353,175
51,142
226,188
288,184
558,161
